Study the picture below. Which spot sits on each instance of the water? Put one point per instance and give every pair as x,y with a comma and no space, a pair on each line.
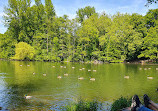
51,93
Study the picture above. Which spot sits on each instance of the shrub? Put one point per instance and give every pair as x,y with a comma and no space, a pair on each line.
120,103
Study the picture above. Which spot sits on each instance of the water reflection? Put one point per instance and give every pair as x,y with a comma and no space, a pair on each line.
17,78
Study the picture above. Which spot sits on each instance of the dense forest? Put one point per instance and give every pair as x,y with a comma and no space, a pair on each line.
35,32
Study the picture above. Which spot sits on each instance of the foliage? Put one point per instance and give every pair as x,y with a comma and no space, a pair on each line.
120,104
83,106
24,51
88,37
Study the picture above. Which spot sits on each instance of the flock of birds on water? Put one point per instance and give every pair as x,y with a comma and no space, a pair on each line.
81,78
92,79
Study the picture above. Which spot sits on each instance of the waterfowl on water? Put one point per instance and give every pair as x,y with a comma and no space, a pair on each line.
92,79
66,74
44,74
59,77
27,97
126,77
80,78
150,78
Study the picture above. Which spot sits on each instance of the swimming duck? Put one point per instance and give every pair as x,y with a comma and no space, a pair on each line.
59,77
92,79
150,78
27,97
44,74
126,77
66,74
80,78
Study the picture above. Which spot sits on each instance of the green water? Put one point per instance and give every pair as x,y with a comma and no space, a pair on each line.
50,93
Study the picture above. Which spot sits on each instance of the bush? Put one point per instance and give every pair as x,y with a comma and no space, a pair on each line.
83,106
120,103
23,51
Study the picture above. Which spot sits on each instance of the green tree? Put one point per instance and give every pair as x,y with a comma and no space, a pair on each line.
23,51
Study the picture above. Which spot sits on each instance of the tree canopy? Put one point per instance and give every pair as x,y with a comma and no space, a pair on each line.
37,33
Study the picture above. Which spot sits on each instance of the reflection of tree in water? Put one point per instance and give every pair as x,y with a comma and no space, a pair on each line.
15,97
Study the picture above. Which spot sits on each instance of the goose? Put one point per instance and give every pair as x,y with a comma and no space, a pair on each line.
66,74
150,78
80,78
92,79
126,77
27,97
44,74
59,77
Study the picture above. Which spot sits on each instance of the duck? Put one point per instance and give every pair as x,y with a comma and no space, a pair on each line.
66,74
27,97
59,77
126,77
44,74
80,78
92,79
150,78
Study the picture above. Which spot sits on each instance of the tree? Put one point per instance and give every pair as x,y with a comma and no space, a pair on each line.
84,13
24,51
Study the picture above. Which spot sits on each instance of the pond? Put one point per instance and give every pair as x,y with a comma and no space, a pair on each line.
53,85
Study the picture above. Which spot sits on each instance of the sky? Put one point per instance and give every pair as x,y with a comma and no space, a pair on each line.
69,7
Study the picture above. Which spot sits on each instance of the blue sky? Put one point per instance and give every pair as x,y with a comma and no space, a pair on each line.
69,7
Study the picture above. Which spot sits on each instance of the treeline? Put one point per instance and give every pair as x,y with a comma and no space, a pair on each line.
37,33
